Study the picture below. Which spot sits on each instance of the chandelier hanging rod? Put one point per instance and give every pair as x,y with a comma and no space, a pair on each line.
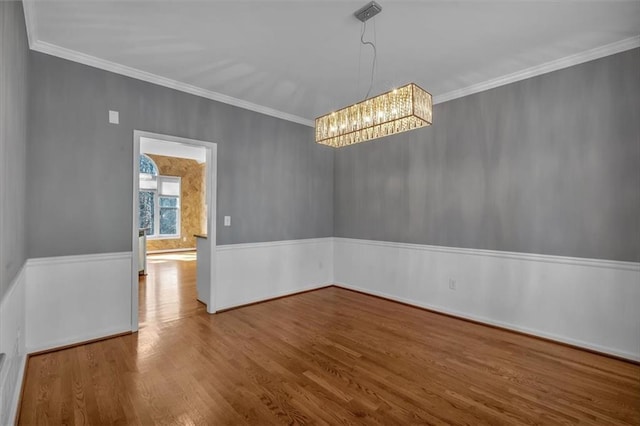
399,110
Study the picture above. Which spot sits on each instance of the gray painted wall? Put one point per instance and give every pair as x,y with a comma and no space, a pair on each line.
14,53
548,165
273,180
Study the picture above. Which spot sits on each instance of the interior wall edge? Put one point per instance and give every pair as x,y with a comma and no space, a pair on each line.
12,343
14,124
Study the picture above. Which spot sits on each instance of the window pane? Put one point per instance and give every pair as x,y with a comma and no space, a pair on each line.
146,206
170,186
147,165
148,181
168,221
168,202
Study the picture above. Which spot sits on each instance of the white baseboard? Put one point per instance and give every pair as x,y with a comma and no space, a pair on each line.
12,343
79,339
278,295
72,299
489,321
583,302
249,273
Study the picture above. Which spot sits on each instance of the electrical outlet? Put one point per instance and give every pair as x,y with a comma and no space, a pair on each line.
452,284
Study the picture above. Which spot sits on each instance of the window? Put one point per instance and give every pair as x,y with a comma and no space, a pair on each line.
158,201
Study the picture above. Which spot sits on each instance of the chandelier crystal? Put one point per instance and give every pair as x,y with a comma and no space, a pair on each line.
406,108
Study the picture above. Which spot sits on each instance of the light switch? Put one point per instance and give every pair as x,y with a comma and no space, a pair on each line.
227,221
114,117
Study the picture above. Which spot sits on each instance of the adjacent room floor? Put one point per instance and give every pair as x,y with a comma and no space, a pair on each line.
168,291
330,356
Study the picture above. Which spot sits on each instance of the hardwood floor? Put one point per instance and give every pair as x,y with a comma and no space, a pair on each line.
330,356
168,292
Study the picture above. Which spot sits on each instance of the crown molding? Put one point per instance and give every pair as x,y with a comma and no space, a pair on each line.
51,49
72,55
30,21
83,58
558,64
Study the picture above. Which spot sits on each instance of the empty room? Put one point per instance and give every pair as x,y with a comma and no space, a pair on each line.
319,212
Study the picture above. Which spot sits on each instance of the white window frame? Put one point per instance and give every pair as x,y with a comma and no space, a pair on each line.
156,208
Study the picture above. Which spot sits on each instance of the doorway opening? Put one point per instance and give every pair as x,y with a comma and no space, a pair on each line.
174,213
168,292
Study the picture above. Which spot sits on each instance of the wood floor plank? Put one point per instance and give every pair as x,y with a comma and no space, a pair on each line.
330,356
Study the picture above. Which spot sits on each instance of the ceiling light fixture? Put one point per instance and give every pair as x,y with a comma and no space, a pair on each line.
405,108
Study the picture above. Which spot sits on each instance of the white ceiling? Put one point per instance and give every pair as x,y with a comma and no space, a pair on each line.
299,59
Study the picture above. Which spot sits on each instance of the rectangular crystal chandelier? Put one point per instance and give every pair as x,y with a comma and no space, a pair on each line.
406,108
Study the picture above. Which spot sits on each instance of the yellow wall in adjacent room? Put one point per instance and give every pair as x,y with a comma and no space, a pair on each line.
192,211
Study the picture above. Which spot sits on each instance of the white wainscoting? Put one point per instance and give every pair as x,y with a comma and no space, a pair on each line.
248,273
12,343
71,299
583,302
